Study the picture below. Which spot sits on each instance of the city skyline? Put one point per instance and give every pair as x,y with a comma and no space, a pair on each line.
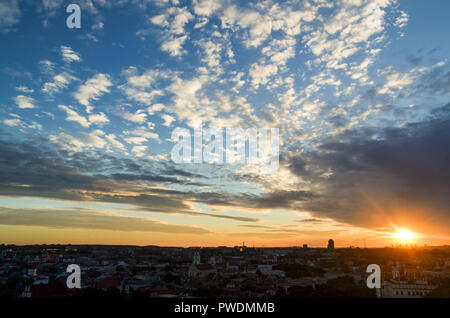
358,91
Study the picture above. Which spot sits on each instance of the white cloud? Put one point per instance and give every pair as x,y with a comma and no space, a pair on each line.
9,15
280,50
74,116
396,81
13,122
402,20
135,140
111,139
24,89
206,7
349,30
213,50
202,22
93,89
139,151
94,139
47,67
60,81
99,118
67,142
155,108
24,102
174,45
173,21
69,55
168,120
259,26
260,73
17,122
141,88
142,132
138,117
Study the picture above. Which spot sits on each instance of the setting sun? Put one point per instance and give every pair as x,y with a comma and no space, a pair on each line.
404,235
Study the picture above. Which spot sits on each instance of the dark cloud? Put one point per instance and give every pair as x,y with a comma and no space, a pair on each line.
271,200
377,173
220,216
37,170
311,221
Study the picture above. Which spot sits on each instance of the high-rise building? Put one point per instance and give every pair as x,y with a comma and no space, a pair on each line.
196,258
330,244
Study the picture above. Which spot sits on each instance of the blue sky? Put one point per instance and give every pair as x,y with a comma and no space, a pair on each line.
357,89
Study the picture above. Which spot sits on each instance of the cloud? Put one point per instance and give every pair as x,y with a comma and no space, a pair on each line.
375,176
206,7
47,67
168,120
17,122
24,89
173,21
259,26
402,20
155,108
261,73
111,139
24,102
81,176
135,140
174,45
89,219
397,81
74,116
142,87
139,151
67,142
141,134
9,15
60,81
95,139
99,118
69,55
93,89
138,117
13,122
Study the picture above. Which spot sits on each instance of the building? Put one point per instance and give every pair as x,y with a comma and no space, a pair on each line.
400,289
196,260
330,244
201,270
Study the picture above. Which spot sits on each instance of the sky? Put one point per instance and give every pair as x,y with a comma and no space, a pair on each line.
359,90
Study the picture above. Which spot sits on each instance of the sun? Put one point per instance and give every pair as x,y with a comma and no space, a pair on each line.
404,235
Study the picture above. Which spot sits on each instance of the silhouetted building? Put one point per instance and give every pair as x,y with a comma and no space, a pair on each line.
330,244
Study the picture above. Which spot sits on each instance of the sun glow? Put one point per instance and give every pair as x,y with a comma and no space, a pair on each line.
404,235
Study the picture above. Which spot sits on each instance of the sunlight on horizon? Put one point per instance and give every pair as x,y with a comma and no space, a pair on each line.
405,236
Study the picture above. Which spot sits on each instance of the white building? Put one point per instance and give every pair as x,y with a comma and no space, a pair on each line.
400,289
